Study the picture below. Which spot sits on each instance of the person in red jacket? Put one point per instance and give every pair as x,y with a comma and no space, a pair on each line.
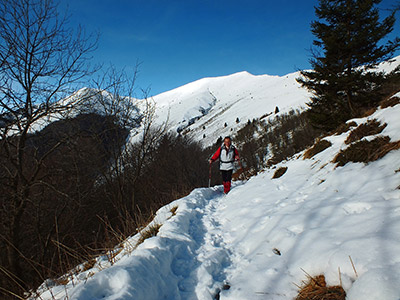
227,154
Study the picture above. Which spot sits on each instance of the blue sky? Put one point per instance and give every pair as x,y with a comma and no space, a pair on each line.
180,41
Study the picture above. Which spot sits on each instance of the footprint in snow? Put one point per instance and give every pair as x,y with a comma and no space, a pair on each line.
356,207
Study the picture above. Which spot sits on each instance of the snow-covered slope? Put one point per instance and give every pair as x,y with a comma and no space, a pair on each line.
202,108
258,241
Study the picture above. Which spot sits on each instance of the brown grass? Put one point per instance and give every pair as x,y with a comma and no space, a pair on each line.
173,210
315,288
372,127
279,173
148,232
367,112
366,151
89,264
244,174
345,127
63,280
237,174
112,254
390,102
318,147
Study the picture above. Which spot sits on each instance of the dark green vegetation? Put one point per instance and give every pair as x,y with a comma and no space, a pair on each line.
348,46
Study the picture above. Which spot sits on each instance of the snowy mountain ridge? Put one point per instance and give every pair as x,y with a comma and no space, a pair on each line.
202,108
205,109
212,107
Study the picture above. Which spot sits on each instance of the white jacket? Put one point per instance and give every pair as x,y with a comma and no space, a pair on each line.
226,157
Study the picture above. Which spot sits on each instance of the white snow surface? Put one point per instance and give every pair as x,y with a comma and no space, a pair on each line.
206,105
317,215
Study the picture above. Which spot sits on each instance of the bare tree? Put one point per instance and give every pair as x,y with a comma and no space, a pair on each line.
40,60
140,153
114,96
129,162
114,92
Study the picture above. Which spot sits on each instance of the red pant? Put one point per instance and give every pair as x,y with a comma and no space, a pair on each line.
227,186
226,180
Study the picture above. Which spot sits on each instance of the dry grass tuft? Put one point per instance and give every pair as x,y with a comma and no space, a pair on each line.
345,127
63,280
279,173
318,147
372,127
173,210
148,232
244,174
367,112
112,254
390,102
315,288
89,264
366,151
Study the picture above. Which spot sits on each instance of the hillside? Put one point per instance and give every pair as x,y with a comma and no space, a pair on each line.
202,108
210,107
205,109
263,238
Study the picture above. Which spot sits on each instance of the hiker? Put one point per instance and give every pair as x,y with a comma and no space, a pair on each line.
227,155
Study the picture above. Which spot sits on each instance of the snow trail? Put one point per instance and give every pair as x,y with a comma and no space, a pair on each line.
201,266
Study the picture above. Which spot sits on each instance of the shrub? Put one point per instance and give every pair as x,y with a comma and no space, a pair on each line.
279,173
316,289
268,142
372,127
366,151
318,147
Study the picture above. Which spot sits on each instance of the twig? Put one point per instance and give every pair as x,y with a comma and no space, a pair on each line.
354,268
11,293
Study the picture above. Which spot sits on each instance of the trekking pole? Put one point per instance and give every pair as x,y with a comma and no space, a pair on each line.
209,177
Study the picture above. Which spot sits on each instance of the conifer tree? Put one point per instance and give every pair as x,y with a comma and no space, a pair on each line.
349,46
